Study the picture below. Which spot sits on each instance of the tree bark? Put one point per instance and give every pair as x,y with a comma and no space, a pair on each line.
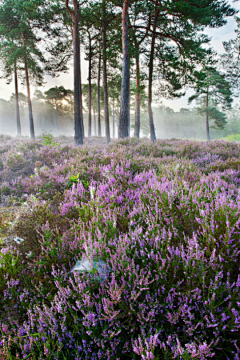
207,119
129,133
80,93
76,64
113,115
137,110
17,101
32,133
123,128
105,88
95,123
150,79
90,90
98,96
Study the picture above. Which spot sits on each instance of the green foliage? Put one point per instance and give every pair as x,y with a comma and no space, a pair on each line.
214,114
18,20
212,91
10,265
230,60
232,137
48,140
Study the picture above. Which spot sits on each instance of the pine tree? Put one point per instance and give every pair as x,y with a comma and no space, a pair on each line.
9,56
123,128
212,89
180,22
231,60
55,95
18,21
78,121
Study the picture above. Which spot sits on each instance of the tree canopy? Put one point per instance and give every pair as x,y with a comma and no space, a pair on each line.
159,46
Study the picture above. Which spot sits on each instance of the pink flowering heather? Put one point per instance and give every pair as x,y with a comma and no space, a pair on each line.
158,229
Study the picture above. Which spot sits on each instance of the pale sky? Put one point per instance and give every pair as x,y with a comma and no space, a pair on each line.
219,35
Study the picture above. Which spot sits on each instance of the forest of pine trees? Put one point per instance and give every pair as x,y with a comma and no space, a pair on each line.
136,50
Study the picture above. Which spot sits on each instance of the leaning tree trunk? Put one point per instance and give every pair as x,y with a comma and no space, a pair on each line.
150,113
123,128
137,110
17,101
32,134
76,64
98,96
90,90
207,119
105,88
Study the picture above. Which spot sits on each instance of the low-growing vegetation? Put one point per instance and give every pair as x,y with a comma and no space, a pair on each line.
161,218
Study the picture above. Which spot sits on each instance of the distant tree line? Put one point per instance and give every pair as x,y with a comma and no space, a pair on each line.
133,48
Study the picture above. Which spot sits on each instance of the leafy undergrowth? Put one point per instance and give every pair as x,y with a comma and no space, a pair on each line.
163,217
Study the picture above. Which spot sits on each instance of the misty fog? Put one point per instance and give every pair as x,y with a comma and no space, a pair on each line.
183,124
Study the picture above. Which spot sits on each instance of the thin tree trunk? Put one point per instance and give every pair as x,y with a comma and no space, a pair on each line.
105,88
90,90
76,63
32,134
17,101
95,123
137,110
113,115
207,120
129,133
150,113
98,96
123,127
80,92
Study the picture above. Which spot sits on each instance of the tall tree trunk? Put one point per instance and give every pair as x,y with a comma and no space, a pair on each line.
137,110
90,90
76,63
98,96
95,123
113,115
32,134
150,113
123,128
105,88
129,106
17,101
80,92
207,119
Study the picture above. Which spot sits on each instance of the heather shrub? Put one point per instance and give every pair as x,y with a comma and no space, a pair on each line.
10,268
229,164
183,170
31,217
164,224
